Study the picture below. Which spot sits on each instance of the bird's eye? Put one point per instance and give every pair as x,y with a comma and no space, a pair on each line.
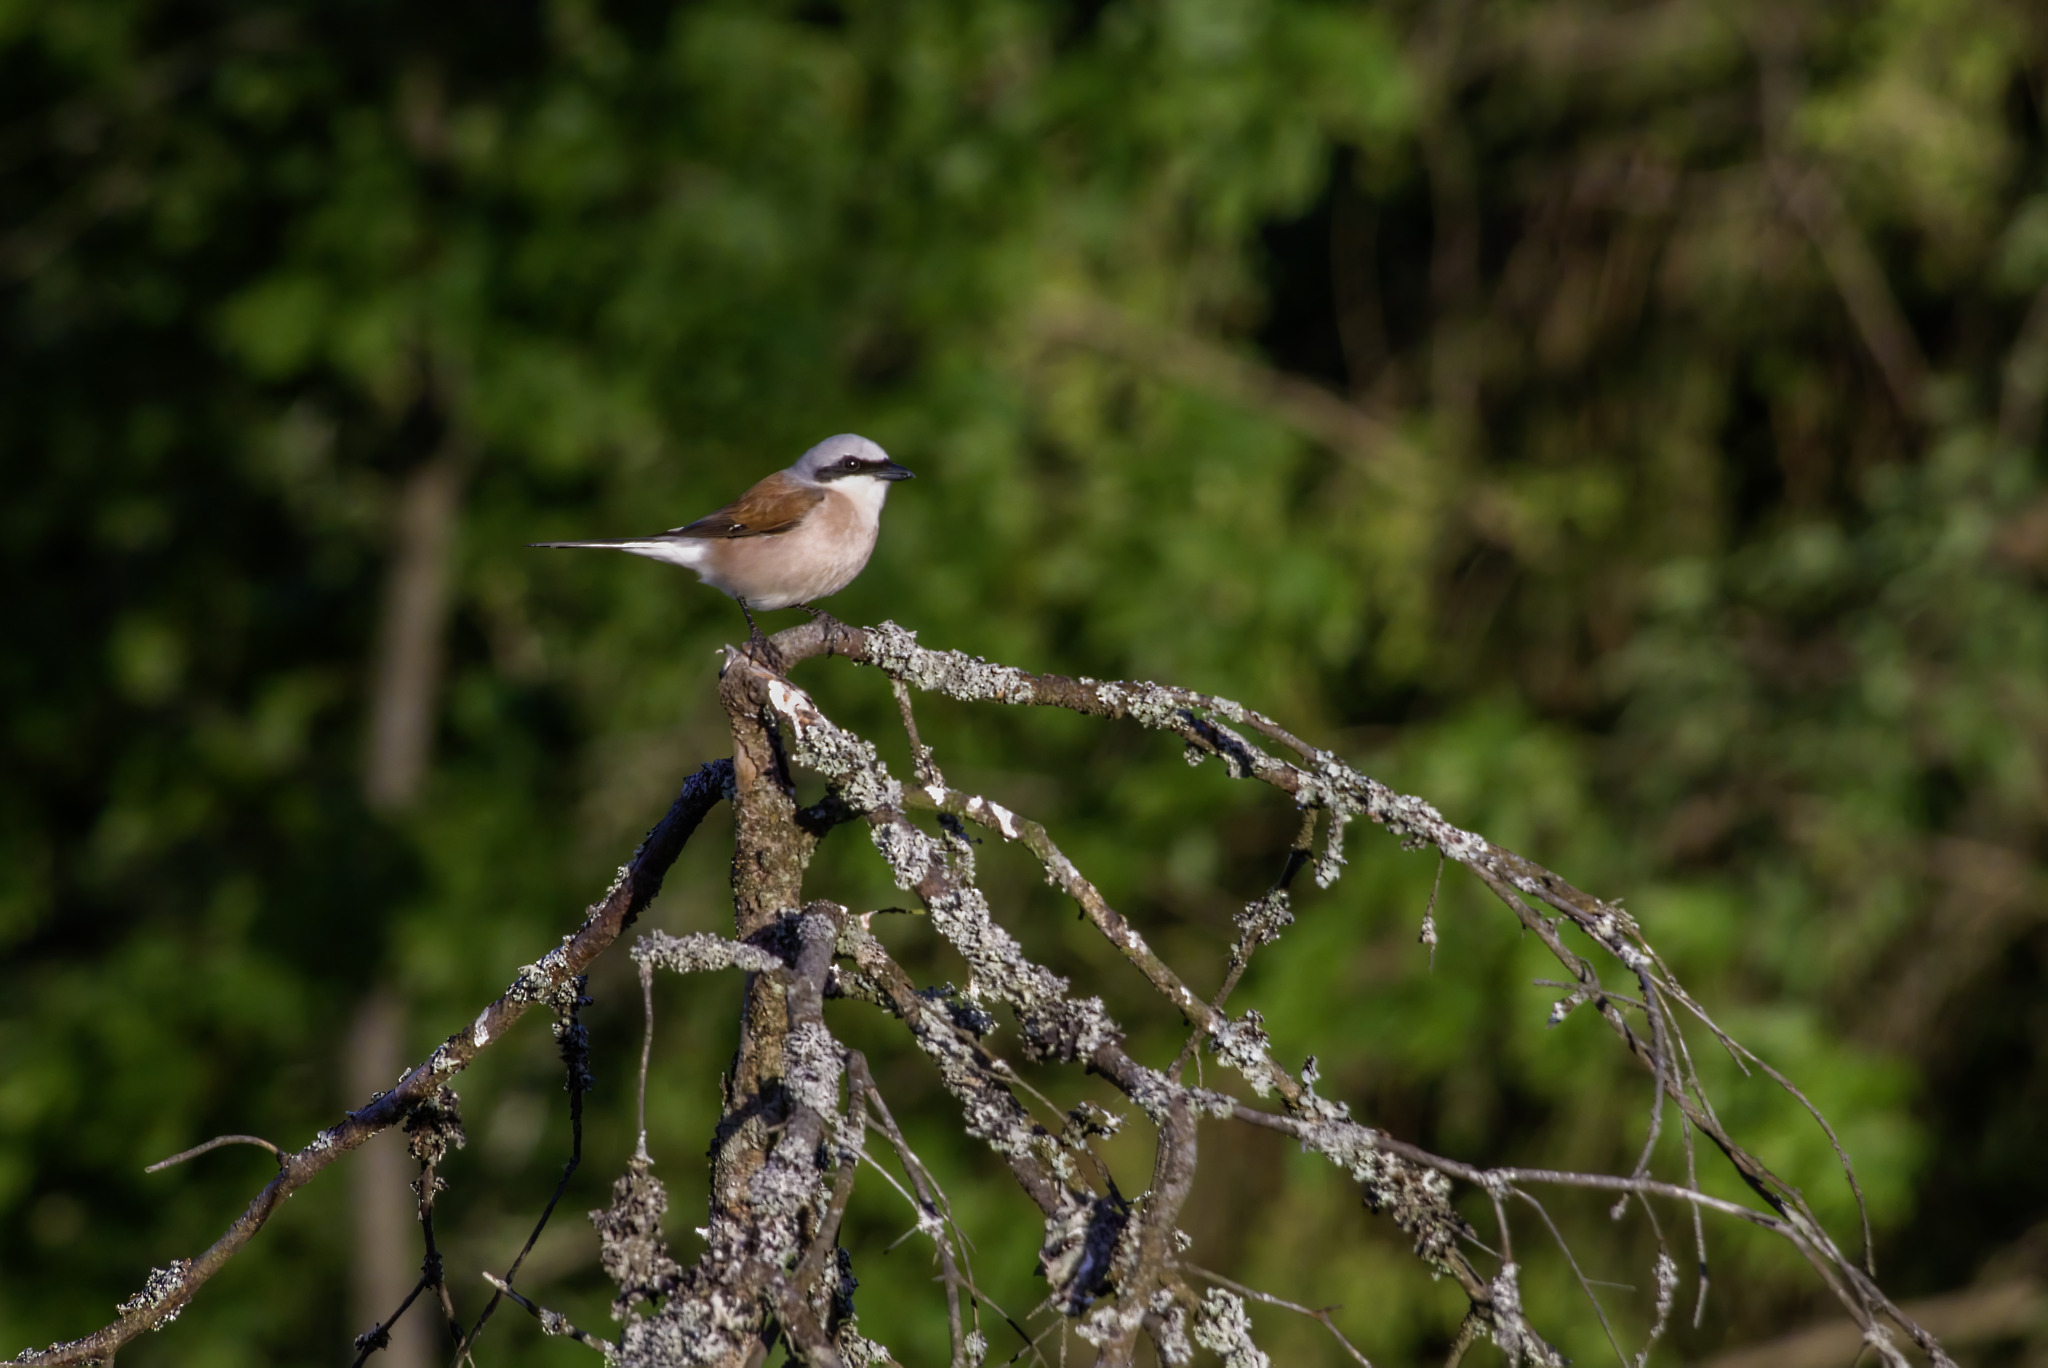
849,464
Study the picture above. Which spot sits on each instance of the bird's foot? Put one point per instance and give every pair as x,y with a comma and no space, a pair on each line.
824,620
762,652
759,648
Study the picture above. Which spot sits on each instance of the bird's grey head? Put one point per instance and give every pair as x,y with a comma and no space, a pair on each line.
847,457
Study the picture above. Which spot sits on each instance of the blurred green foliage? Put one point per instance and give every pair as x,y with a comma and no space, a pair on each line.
1659,572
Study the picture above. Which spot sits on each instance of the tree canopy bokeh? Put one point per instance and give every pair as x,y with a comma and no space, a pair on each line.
1618,422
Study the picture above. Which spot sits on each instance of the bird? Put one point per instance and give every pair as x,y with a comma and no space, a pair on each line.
799,535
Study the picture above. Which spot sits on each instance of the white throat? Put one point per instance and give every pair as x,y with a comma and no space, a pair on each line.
866,494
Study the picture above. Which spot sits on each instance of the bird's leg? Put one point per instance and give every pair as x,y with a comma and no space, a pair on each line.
758,645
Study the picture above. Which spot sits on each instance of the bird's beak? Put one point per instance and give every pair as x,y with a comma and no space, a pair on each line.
892,471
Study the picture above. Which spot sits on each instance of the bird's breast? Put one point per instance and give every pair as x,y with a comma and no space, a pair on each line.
818,557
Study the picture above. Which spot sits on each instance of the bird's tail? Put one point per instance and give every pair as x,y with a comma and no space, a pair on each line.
675,550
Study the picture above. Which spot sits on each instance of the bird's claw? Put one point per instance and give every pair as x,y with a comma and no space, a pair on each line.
760,649
824,620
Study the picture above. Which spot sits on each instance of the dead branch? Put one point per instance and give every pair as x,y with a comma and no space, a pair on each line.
639,880
797,1102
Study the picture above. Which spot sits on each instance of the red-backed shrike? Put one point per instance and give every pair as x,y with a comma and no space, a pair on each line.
799,535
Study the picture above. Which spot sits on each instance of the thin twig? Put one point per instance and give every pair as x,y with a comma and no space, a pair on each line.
552,1322
646,968
1249,940
378,1336
432,1269
1322,1316
1584,1284
870,1098
1661,1049
214,1144
574,1049
1699,1222
602,922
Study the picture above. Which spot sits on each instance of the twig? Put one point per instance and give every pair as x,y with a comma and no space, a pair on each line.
432,1270
1659,1047
646,968
574,1055
922,764
785,1159
378,1336
1587,1287
1322,1316
552,1322
1427,935
1699,1224
1255,931
931,1198
1322,782
634,889
214,1144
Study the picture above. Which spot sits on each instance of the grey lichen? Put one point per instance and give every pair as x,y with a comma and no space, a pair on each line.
778,1194
1149,705
1505,1292
1264,918
1155,1095
909,852
1000,968
433,1126
1330,863
159,1287
1107,1325
700,952
942,872
895,652
1565,1005
1224,1328
1508,1328
1170,1330
959,848
1244,1046
541,981
811,1066
855,1351
1666,1273
1062,1030
991,1115
1086,1122
696,1327
848,762
620,878
1416,1198
630,1245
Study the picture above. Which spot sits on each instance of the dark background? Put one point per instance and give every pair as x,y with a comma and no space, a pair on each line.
1619,423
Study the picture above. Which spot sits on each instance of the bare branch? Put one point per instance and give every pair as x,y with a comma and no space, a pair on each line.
786,1154
551,1322
1321,1314
215,1144
637,884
